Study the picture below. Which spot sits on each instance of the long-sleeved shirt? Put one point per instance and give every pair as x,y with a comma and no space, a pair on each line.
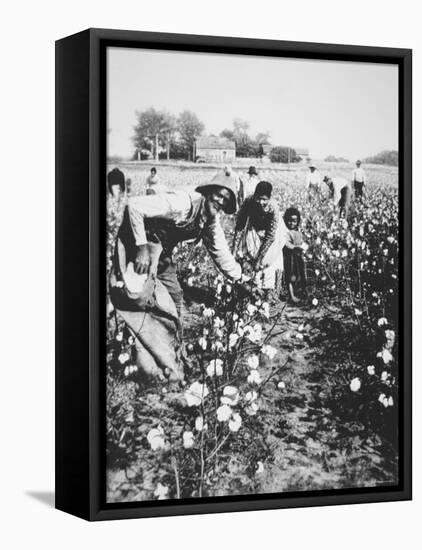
294,238
338,184
251,213
359,175
177,206
249,185
313,178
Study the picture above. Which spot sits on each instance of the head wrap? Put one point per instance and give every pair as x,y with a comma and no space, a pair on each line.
116,177
263,188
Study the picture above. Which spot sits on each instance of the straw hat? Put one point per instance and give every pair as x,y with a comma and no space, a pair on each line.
226,180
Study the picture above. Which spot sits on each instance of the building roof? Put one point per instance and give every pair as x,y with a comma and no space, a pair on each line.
302,152
214,143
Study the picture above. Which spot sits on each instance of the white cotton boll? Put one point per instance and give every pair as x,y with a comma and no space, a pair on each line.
235,422
371,369
254,377
199,423
203,343
269,351
161,492
355,384
385,355
224,412
253,362
188,440
251,396
215,368
230,396
259,468
155,438
195,394
233,338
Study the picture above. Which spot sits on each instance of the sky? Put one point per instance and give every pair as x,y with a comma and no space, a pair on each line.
331,108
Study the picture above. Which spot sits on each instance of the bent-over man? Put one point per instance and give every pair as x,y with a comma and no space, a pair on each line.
163,221
340,192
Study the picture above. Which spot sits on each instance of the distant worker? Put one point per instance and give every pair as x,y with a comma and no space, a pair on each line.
340,191
359,180
313,183
116,183
153,183
248,184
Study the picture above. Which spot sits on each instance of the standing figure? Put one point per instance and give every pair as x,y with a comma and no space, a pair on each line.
248,184
359,180
260,235
153,183
341,192
294,264
313,183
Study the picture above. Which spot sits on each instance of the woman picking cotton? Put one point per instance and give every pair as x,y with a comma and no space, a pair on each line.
260,234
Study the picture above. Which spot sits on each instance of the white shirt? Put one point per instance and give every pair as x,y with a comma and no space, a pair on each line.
313,178
359,175
249,185
339,184
177,206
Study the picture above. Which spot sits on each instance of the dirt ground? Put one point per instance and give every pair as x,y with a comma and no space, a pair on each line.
306,439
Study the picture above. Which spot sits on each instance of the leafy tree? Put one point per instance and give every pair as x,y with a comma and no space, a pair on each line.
227,134
153,130
284,154
332,158
263,138
190,128
385,157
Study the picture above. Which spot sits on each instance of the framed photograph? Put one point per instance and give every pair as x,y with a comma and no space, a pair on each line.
233,243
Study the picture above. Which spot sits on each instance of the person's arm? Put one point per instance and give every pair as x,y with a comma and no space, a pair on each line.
308,180
269,237
289,243
218,248
242,216
241,220
168,206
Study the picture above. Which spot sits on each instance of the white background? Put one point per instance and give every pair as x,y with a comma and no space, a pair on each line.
29,30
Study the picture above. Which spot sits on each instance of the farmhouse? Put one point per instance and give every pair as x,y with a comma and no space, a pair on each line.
214,149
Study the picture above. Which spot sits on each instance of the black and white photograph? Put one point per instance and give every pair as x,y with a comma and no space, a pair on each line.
253,275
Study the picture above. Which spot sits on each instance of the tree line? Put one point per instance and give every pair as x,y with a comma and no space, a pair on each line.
166,136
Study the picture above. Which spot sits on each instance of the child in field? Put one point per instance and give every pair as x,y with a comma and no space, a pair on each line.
294,264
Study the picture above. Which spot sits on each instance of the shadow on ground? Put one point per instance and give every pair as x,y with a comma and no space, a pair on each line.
45,497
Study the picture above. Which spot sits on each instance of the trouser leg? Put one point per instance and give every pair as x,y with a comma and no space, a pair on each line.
167,274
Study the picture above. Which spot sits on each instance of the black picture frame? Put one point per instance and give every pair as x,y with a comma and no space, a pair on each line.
81,281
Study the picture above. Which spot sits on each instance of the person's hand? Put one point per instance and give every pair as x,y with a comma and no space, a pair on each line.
143,259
